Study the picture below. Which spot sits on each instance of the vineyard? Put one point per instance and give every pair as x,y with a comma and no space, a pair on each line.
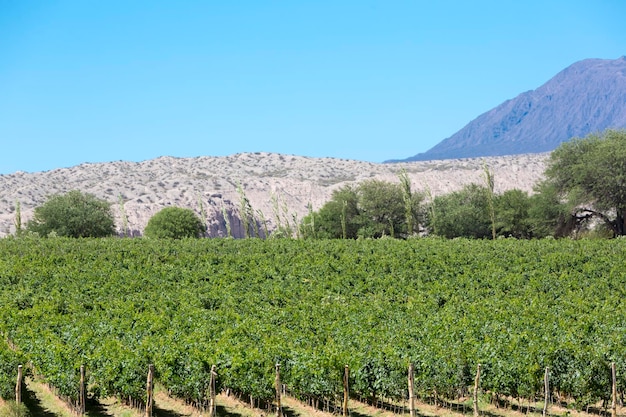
118,305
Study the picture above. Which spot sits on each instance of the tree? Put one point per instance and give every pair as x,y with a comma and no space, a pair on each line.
174,223
73,215
511,216
409,202
548,215
18,218
338,218
590,174
489,183
245,211
463,213
381,209
371,209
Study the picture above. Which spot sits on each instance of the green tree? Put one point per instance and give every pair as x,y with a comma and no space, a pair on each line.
410,202
125,229
590,175
174,223
490,184
73,215
372,209
307,227
463,213
548,214
18,218
511,217
381,209
338,218
246,212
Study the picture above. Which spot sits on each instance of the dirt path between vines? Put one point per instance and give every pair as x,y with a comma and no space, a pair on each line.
42,402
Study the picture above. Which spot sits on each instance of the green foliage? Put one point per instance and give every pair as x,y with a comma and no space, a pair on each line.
249,223
73,215
371,209
13,409
125,228
9,361
511,210
283,227
226,217
307,227
468,213
548,214
411,204
338,218
203,216
463,213
590,174
18,219
117,305
489,185
174,223
381,209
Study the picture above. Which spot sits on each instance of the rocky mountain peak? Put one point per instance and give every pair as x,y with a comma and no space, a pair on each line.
588,96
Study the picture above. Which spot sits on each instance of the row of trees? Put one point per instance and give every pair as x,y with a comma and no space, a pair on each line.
371,209
76,214
374,209
584,187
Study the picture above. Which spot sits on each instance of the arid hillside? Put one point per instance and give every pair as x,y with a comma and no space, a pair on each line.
279,187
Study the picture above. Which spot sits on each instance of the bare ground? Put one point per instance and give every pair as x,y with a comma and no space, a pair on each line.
42,402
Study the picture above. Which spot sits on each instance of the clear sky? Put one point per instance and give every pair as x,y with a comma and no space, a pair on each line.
96,81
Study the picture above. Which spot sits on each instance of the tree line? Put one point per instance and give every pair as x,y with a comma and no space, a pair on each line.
583,193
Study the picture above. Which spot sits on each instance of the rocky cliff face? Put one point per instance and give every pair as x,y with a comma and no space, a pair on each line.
588,96
280,188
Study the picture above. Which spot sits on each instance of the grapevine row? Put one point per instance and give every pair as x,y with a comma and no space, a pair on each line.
515,307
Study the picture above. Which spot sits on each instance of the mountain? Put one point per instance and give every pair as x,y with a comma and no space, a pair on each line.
588,96
276,185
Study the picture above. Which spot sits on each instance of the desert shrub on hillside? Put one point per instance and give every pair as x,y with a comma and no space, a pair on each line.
74,214
174,223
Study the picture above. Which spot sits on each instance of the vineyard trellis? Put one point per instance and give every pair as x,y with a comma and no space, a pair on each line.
315,307
79,408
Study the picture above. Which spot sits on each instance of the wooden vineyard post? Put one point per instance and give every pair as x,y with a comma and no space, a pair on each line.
81,391
279,408
212,406
613,391
476,385
546,381
411,396
149,390
18,385
346,390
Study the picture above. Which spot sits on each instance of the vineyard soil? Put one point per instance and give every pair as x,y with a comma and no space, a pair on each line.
43,403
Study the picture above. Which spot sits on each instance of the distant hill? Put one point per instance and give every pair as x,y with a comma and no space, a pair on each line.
588,96
208,185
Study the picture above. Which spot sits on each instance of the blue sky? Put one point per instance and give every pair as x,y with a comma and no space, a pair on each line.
84,81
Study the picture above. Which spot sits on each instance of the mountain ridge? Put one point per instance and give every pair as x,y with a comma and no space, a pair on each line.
586,97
